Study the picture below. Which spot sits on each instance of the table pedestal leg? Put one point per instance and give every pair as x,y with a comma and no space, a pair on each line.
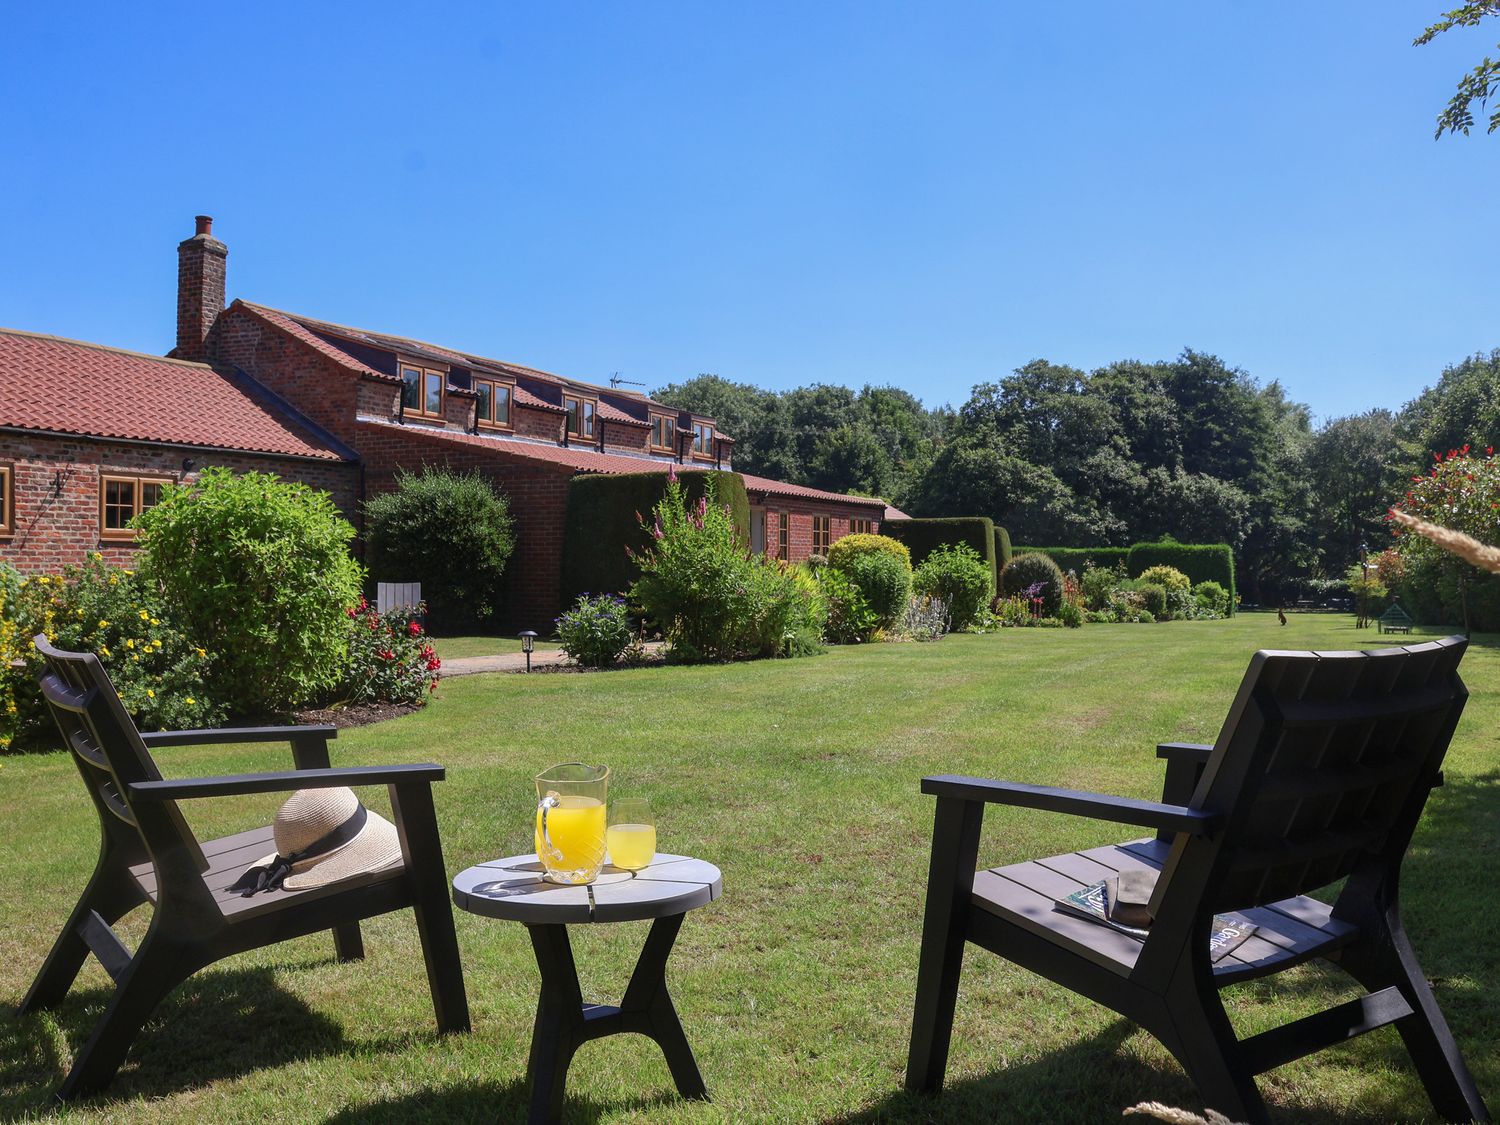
564,1022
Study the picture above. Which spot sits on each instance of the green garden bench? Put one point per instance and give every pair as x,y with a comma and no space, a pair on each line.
1394,620
1320,773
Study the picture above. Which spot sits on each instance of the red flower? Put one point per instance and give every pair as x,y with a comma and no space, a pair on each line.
414,629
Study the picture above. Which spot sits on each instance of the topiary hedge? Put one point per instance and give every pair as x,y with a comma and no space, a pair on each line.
1201,562
1003,551
924,536
1077,558
1030,569
601,522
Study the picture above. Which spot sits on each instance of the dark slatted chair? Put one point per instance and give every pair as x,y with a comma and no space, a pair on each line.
149,855
1319,774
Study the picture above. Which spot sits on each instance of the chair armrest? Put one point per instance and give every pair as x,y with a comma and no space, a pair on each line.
1098,806
1184,751
235,734
283,781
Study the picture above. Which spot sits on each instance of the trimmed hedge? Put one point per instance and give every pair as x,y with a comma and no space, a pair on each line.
1003,551
601,522
1201,562
926,535
1076,558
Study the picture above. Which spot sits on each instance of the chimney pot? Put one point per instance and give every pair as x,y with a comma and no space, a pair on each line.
205,224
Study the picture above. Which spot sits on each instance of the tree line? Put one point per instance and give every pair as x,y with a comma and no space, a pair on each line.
1190,448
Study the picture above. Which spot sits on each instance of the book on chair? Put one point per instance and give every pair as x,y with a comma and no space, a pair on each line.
1122,902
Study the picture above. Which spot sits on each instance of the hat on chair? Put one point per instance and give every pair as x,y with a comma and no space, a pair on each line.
322,836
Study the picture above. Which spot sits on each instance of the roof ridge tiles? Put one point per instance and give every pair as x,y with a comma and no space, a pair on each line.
102,347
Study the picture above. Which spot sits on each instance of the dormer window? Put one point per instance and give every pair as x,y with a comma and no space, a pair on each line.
580,416
422,391
492,410
664,433
703,439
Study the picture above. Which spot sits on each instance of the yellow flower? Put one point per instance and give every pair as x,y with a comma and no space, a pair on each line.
156,644
150,694
145,616
103,623
129,643
135,658
103,650
154,621
114,580
42,580
200,653
95,555
127,572
190,699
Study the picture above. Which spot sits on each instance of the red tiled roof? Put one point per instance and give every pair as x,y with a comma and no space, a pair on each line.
68,386
780,488
893,513
526,398
294,327
615,414
591,461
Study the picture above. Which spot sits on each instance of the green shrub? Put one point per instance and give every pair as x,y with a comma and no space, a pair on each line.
390,659
923,536
960,577
1003,551
850,619
1211,598
26,609
452,532
157,669
1099,582
258,572
1039,574
1013,611
851,546
1201,562
883,579
603,527
713,599
925,618
596,630
1153,597
1167,577
1079,559
1070,615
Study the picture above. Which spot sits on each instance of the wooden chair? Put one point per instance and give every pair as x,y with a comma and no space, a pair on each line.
149,855
1319,774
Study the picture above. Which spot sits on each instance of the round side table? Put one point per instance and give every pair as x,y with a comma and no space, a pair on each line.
513,889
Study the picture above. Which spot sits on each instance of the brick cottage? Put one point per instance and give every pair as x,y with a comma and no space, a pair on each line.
89,433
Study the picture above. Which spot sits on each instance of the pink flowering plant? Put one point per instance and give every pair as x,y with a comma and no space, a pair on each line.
390,657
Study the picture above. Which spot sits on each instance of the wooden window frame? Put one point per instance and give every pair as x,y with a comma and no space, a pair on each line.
7,499
137,482
490,423
593,419
703,432
784,536
660,422
861,527
424,373
822,534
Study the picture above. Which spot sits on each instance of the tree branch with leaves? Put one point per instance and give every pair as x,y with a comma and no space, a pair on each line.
1479,85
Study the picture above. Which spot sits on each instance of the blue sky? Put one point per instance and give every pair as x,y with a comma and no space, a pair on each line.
925,195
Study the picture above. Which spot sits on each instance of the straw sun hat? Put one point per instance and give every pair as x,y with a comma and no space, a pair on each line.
322,836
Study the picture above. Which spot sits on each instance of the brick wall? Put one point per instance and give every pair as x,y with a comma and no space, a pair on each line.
541,424
56,526
800,515
623,437
313,383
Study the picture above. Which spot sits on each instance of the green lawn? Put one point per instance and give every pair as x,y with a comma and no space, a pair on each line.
799,778
456,648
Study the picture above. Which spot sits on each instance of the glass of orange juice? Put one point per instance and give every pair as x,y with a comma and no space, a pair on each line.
632,833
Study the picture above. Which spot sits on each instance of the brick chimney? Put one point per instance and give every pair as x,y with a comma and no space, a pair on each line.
200,288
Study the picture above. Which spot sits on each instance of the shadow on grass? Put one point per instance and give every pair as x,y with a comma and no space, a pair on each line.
491,1102
219,1024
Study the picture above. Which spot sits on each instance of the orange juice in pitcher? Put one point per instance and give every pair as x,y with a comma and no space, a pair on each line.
570,821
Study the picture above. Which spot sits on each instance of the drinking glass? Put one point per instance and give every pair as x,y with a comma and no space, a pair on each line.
631,833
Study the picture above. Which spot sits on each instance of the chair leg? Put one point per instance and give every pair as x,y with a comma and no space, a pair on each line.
156,969
416,823
950,882
1388,959
1195,1029
111,893
348,945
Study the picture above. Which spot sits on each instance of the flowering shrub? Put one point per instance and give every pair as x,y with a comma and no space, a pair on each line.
1036,572
955,573
926,618
155,666
1461,492
596,630
850,619
710,596
390,659
26,609
259,571
1212,599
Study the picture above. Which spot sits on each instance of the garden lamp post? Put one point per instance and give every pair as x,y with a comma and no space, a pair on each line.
528,644
1364,586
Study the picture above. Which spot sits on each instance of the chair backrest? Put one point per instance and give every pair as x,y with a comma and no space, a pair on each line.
109,753
1323,764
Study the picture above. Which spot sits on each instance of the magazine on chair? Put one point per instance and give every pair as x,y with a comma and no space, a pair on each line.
1093,903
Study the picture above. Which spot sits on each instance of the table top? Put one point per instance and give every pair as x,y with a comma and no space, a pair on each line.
513,889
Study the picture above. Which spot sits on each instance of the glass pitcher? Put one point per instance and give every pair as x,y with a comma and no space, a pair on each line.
570,825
